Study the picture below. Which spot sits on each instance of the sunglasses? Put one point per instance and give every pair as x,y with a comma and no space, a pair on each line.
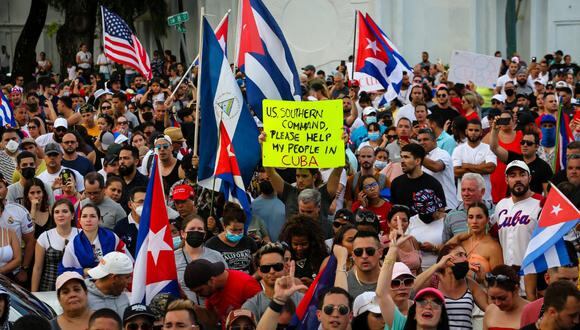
337,224
137,326
441,95
500,279
342,309
435,304
407,282
370,251
60,129
527,143
370,218
277,267
162,146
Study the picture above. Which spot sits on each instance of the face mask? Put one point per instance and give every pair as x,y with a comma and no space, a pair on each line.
139,210
266,187
233,237
194,238
147,116
12,146
460,269
176,242
28,173
373,136
509,92
426,218
548,137
370,119
380,164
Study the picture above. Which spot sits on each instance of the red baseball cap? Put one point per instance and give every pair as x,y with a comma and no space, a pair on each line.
182,192
353,83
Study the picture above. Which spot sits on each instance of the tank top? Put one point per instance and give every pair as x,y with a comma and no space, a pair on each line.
6,253
459,311
498,184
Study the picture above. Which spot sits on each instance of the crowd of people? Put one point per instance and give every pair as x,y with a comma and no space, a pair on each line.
428,222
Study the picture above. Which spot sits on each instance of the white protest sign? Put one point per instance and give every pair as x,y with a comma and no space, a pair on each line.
367,83
482,69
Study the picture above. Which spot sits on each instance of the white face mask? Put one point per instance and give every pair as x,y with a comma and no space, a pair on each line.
139,210
12,146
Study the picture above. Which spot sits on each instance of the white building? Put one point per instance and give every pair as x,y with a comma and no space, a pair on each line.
320,32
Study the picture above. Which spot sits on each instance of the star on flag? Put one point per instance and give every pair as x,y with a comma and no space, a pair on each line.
157,243
556,209
372,45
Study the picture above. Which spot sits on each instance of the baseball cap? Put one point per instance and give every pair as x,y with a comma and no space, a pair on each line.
499,98
353,83
539,81
524,119
519,164
369,110
138,310
28,140
365,302
562,85
174,134
101,92
550,83
112,263
182,192
239,313
121,138
86,108
433,291
52,148
110,158
163,137
309,67
400,269
16,90
200,271
60,122
515,59
67,276
107,138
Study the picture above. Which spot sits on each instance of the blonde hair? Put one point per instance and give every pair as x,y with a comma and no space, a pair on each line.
471,99
183,305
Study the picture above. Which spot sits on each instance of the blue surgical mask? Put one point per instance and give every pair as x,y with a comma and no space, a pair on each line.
380,164
373,136
176,242
548,137
370,119
233,237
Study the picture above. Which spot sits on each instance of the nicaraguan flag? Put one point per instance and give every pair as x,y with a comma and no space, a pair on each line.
155,270
221,33
265,58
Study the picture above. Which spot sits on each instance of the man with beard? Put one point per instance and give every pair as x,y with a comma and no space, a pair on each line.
224,289
60,128
516,217
26,165
415,187
71,158
522,86
366,159
408,110
269,207
510,75
128,159
561,306
128,227
474,157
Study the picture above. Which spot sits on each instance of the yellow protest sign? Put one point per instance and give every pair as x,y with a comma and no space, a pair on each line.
303,134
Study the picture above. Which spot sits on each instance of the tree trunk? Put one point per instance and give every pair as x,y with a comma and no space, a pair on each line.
79,27
24,55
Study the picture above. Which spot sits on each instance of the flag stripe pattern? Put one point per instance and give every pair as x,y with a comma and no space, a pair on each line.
265,58
122,46
221,33
6,112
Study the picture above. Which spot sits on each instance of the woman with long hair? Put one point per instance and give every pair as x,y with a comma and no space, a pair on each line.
50,246
343,237
36,202
304,236
10,249
469,104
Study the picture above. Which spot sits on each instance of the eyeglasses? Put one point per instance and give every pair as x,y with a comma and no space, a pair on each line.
370,185
337,224
60,129
136,326
436,305
407,282
527,143
370,251
162,146
342,309
500,279
441,95
277,267
69,142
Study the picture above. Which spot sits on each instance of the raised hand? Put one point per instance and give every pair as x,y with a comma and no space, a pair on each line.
285,286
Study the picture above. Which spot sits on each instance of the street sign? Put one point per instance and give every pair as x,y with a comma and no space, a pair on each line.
181,28
178,18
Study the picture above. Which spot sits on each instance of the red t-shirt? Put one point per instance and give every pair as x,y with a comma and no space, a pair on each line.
381,213
239,288
531,312
497,178
471,116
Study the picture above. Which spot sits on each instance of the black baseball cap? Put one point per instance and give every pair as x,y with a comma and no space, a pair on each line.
200,271
138,310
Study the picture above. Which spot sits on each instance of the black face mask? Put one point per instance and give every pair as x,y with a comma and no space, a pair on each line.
509,92
194,238
266,187
28,173
460,270
147,116
426,218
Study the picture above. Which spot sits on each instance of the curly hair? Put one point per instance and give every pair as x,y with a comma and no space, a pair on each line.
304,226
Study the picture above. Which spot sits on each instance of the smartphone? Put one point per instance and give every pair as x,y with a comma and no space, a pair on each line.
502,121
64,177
534,59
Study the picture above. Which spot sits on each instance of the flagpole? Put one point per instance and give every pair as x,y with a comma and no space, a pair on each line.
196,135
556,161
238,34
214,178
354,40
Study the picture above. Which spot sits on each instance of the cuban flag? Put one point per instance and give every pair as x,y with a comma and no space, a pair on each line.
375,58
564,137
547,248
221,33
229,134
265,58
155,270
305,317
6,112
396,75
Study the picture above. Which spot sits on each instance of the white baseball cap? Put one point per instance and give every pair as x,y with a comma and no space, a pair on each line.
60,122
400,269
365,302
499,98
113,263
519,164
368,110
67,276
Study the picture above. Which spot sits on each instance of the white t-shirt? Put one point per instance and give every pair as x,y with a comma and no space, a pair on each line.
49,178
423,232
103,62
445,177
503,79
407,111
56,241
17,218
85,57
464,153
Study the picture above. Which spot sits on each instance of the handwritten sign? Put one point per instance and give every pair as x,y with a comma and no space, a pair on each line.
367,83
303,134
483,70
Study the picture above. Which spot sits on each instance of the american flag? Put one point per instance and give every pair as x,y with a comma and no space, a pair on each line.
122,46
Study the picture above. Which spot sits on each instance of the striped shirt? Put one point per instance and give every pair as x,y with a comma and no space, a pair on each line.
459,311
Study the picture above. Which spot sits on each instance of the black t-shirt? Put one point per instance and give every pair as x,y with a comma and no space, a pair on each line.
237,257
531,326
541,171
423,195
290,199
447,114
